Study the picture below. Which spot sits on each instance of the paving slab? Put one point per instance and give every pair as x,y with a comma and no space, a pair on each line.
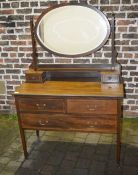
128,170
57,153
97,168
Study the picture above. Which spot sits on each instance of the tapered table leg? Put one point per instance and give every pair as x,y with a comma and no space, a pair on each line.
37,133
118,149
23,140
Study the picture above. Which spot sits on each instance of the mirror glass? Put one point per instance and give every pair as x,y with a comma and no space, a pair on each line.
72,30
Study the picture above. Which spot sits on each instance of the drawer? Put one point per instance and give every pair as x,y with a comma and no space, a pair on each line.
40,104
69,123
91,106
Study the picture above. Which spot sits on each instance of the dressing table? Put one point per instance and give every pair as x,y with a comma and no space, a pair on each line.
71,97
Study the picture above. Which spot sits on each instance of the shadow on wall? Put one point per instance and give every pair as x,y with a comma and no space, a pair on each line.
66,158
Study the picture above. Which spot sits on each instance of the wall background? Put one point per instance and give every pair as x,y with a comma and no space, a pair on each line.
15,46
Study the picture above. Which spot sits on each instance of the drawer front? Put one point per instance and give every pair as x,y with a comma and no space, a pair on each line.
92,106
67,122
38,105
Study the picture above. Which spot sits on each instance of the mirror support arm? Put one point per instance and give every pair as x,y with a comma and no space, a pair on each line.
114,52
34,54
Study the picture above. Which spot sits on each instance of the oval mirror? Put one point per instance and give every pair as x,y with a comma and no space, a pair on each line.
72,30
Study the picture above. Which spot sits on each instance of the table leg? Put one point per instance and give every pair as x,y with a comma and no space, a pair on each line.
23,140
118,151
37,133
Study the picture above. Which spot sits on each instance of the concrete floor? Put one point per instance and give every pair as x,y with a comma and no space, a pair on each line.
64,153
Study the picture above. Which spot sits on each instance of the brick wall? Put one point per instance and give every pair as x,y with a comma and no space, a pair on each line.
15,46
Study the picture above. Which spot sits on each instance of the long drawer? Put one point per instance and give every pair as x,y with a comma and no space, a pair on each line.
91,106
41,104
68,122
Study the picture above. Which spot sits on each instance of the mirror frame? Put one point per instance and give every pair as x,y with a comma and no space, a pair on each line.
74,55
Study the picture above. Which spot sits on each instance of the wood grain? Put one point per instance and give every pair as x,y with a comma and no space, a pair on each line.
91,106
68,122
41,104
65,88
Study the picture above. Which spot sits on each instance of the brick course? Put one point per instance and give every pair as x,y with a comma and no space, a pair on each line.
15,45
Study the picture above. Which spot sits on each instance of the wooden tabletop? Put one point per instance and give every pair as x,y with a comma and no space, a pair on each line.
67,88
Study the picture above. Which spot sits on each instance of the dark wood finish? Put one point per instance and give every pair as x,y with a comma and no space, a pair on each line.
35,76
114,52
35,65
69,106
76,67
67,122
71,88
69,4
38,105
22,132
110,74
79,97
37,133
34,54
119,122
89,106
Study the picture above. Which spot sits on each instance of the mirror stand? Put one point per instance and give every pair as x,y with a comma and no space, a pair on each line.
40,73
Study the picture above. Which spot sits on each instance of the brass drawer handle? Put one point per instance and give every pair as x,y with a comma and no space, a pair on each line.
92,126
41,106
91,108
43,123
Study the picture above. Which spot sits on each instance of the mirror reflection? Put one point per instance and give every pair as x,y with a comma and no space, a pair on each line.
73,30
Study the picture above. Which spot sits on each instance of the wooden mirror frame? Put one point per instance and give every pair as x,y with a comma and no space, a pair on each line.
37,66
46,11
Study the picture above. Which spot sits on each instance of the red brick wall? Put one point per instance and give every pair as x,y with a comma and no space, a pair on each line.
15,46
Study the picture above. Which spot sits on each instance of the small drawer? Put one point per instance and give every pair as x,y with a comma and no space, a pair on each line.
37,77
38,104
110,78
69,123
93,106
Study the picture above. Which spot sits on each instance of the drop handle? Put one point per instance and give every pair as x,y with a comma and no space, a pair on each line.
91,108
92,126
40,106
43,123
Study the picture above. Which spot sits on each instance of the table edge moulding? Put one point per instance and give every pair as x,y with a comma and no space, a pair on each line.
71,97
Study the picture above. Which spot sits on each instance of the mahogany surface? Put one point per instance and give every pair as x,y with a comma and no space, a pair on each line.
69,106
88,102
67,88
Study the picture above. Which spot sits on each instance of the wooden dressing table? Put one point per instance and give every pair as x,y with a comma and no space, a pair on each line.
83,98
